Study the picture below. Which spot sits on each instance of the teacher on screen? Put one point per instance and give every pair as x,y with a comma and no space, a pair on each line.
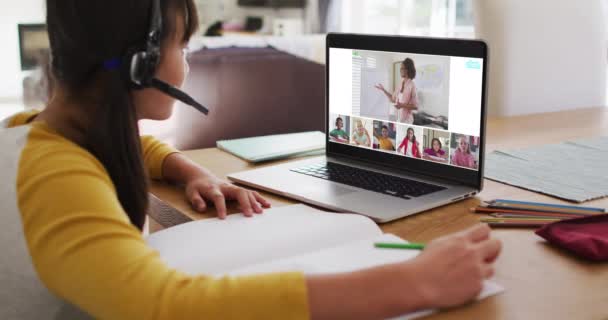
404,98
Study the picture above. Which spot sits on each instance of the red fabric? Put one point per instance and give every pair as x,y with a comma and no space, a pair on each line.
586,237
415,151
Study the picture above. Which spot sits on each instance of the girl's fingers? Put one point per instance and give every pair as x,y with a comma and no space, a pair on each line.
250,202
490,250
265,203
488,271
197,202
478,233
242,197
219,201
254,203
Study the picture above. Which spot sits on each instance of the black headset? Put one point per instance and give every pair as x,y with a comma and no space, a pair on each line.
142,64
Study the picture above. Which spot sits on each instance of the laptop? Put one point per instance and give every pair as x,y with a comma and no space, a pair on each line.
405,128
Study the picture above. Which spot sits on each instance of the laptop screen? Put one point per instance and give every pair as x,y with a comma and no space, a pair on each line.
421,107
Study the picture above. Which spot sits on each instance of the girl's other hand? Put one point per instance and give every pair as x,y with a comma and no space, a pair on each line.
204,190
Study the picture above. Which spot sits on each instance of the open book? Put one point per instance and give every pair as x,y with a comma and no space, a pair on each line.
290,238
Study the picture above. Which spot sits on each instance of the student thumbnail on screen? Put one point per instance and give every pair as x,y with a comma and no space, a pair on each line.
409,143
464,151
385,134
361,132
436,146
339,128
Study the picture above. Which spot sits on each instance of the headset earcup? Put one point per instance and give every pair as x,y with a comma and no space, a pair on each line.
128,64
140,67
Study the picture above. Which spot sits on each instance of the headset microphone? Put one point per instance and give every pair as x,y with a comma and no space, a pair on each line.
142,64
178,94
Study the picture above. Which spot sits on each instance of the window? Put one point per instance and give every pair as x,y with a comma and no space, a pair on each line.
446,18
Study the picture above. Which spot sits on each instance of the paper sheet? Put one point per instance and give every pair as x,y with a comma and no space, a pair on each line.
350,257
213,246
573,170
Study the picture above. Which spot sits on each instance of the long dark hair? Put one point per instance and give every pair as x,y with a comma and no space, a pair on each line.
84,34
438,142
413,135
408,63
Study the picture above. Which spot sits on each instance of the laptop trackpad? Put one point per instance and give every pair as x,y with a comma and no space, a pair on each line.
337,191
327,192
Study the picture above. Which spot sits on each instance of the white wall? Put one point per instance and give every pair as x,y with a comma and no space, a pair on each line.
545,55
376,69
12,13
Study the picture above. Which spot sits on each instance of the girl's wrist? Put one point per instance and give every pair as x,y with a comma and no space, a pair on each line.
402,288
200,175
420,294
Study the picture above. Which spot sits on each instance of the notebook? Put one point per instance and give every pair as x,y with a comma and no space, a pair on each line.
258,149
290,238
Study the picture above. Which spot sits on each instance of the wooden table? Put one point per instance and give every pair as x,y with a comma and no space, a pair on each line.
541,282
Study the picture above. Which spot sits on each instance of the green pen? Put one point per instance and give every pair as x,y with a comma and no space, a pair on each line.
410,246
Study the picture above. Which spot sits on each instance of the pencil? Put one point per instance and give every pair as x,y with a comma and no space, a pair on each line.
538,206
516,221
526,212
518,216
515,225
410,246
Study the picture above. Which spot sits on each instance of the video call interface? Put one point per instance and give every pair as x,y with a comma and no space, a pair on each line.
420,106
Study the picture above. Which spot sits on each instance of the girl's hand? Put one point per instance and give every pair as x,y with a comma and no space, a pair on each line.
450,271
380,87
204,189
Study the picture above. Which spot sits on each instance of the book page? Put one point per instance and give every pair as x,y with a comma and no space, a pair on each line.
352,256
213,246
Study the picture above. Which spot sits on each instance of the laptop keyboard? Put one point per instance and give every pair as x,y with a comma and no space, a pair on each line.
369,180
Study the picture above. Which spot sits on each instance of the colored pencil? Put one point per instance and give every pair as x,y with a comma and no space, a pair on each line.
516,220
542,209
514,225
518,216
538,206
527,212
410,246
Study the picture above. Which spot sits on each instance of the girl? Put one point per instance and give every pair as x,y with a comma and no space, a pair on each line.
360,135
435,152
462,156
409,146
405,98
79,175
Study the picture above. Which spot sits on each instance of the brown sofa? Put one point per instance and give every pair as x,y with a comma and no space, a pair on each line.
250,92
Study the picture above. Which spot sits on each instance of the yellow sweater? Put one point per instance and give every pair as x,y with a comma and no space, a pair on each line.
85,250
386,143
